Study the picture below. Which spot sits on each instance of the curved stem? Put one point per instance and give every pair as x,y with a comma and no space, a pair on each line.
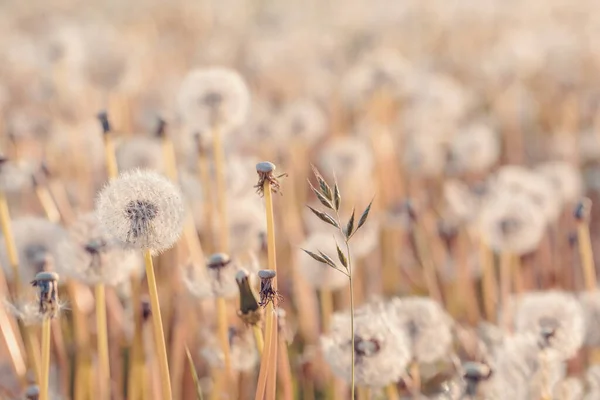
159,336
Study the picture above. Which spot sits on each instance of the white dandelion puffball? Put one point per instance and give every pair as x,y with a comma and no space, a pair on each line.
143,210
213,97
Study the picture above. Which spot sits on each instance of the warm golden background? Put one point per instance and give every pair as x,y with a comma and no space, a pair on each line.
473,125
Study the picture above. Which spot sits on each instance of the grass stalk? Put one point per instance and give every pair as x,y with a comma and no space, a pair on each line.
48,204
159,336
392,392
102,341
285,376
584,243
326,304
45,359
11,248
505,287
489,282
223,331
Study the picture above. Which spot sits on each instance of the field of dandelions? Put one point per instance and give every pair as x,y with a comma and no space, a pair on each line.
228,199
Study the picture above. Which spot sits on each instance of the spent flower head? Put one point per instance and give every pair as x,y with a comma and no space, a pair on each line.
47,285
142,209
244,356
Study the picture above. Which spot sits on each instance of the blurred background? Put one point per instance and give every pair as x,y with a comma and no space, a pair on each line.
473,125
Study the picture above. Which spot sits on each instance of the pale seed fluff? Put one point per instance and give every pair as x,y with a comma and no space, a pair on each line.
140,152
215,279
15,175
428,327
302,119
511,223
565,178
213,97
592,376
475,148
351,160
518,370
36,240
556,318
142,210
569,389
91,255
516,180
247,226
381,349
317,274
243,353
460,203
424,154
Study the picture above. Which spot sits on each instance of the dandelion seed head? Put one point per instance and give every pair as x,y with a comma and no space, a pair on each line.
91,255
475,148
15,175
142,210
555,317
140,152
565,178
213,97
516,180
37,241
382,351
302,120
428,327
217,279
319,275
243,353
511,223
569,389
425,154
247,226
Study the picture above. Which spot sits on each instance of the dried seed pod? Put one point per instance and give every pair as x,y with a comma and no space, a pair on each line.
47,284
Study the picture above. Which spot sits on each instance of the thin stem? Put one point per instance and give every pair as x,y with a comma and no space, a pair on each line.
45,359
326,308
12,344
159,336
48,203
223,330
261,386
286,372
505,286
219,158
392,392
135,375
587,258
204,170
110,157
258,339
102,340
11,248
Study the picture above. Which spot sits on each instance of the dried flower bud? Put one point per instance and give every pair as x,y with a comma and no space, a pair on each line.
249,310
142,210
104,123
32,392
583,210
265,171
47,284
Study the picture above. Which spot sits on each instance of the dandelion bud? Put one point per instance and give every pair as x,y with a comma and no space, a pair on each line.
474,374
47,284
32,392
249,310
146,309
143,210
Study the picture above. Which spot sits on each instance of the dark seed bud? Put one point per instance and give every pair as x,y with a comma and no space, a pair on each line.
161,128
582,209
218,260
146,310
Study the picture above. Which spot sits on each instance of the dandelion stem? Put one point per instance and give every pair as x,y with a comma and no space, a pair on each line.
286,373
586,254
392,392
12,344
45,359
258,338
505,283
326,308
159,336
109,154
48,203
102,338
136,370
223,328
11,248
